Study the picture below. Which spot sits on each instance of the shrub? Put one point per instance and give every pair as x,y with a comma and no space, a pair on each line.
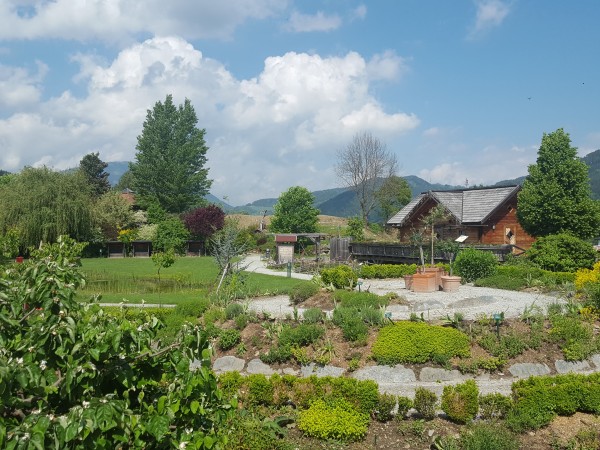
303,291
260,390
249,433
488,436
562,252
333,420
313,315
355,299
192,308
387,270
233,310
460,402
425,403
355,229
575,337
385,407
230,383
276,354
354,329
404,405
300,335
494,406
418,342
340,277
229,338
472,264
241,321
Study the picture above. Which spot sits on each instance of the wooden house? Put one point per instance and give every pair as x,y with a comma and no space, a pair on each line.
485,215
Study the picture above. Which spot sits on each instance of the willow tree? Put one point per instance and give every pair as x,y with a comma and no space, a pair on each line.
43,204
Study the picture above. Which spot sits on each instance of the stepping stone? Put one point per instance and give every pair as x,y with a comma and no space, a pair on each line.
426,305
435,374
596,360
321,371
290,371
526,370
256,366
386,374
228,364
571,366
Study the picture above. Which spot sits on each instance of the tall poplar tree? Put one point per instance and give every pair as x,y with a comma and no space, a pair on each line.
93,168
556,195
171,154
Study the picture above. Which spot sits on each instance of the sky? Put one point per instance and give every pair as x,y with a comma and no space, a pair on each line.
460,91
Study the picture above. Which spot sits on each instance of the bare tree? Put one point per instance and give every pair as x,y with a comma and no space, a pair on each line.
362,165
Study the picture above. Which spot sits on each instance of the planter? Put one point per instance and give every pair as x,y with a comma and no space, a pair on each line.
450,283
424,282
408,281
438,271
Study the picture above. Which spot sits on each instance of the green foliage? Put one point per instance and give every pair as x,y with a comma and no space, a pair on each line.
404,405
92,168
260,390
494,406
355,299
313,315
229,338
192,308
106,383
488,436
472,264
508,345
303,291
226,246
233,310
387,270
43,204
250,433
575,337
517,277
170,158
10,243
384,411
163,260
425,403
418,342
276,354
356,229
294,212
392,196
300,335
230,383
113,213
558,175
537,400
354,329
171,234
562,253
340,277
461,402
333,420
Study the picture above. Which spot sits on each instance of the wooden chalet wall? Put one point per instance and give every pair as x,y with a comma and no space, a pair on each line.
504,228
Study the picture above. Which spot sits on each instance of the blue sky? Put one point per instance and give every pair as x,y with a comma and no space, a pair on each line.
458,90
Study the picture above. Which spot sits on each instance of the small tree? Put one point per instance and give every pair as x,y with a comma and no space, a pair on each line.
294,212
356,229
203,222
436,215
171,234
93,169
163,260
392,196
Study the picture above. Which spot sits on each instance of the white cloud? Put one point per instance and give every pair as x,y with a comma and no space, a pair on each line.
305,23
387,66
115,20
360,12
490,14
18,87
265,134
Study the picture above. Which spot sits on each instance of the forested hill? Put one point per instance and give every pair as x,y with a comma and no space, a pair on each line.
593,162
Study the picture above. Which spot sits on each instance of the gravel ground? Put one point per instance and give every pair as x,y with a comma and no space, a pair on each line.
469,300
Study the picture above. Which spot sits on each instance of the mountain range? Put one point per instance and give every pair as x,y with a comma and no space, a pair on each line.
342,202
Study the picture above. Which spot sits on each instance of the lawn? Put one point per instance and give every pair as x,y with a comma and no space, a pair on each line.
132,280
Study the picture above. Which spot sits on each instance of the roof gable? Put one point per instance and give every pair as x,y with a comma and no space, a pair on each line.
470,206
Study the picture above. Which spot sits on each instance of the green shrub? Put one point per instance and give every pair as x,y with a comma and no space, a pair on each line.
233,310
230,383
313,315
301,335
333,420
355,299
418,342
229,338
354,329
562,253
385,407
404,405
387,270
259,390
488,436
303,291
250,433
575,337
340,277
519,276
460,402
494,406
192,308
355,229
425,403
276,354
508,346
241,321
472,264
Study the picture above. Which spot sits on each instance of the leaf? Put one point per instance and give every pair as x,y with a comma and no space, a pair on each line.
95,353
71,431
209,441
161,404
158,426
194,406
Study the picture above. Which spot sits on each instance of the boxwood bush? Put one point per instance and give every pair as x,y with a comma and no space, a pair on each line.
461,402
333,420
472,264
387,270
562,253
418,342
354,299
340,277
517,277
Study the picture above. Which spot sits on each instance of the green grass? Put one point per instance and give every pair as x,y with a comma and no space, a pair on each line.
132,280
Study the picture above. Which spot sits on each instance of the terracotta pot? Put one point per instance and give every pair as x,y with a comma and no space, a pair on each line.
424,282
450,283
408,281
438,271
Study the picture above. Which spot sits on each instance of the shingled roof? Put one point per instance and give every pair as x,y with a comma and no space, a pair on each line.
469,206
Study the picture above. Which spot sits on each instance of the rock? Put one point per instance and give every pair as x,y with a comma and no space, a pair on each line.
321,371
386,374
259,367
596,360
571,366
525,370
228,364
435,374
